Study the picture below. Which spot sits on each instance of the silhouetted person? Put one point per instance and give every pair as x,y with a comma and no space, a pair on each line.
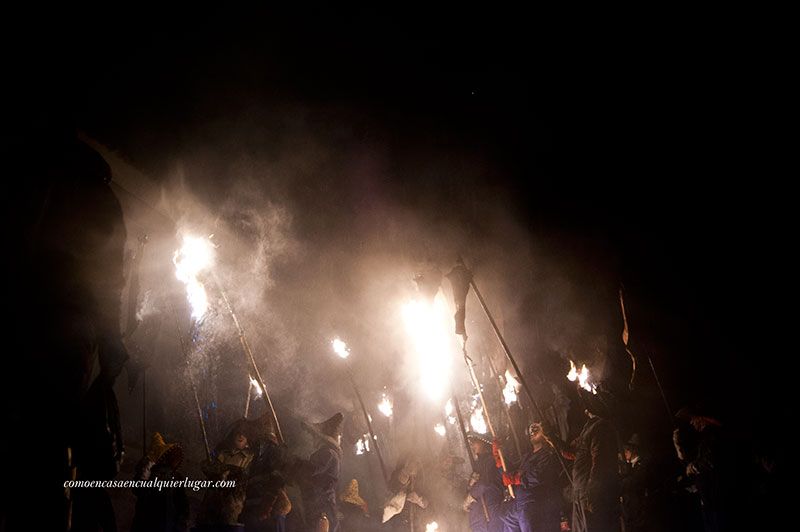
537,489
63,270
318,476
165,509
595,476
222,507
634,473
267,503
708,466
485,487
409,502
355,510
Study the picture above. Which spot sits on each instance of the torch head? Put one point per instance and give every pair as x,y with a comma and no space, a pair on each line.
460,278
428,282
340,348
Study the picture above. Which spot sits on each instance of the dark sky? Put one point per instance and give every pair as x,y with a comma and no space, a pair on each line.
638,153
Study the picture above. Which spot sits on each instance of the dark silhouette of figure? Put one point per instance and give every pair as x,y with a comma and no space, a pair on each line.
64,278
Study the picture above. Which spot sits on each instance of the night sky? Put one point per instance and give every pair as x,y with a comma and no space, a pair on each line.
638,154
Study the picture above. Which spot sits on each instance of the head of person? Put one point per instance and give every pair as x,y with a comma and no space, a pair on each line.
631,448
478,443
240,441
698,417
536,434
330,430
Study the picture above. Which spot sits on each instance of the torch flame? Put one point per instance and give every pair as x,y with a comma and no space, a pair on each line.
582,377
440,429
385,406
195,256
572,376
257,387
477,421
340,348
362,444
448,411
432,527
511,389
429,327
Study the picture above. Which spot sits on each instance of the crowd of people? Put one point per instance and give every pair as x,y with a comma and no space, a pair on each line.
73,260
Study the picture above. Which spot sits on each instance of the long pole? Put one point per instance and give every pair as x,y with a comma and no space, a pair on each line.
144,411
193,386
369,427
247,401
660,389
517,370
472,462
626,337
253,365
477,385
463,431
506,407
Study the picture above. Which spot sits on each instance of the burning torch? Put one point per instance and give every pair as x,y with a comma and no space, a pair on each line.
341,349
253,366
196,256
510,392
192,385
466,276
460,279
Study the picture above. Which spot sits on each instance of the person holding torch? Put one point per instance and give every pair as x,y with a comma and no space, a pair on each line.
485,487
537,505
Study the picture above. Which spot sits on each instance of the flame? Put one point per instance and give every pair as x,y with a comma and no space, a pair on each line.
448,412
477,421
429,325
572,376
195,256
440,429
385,406
511,389
582,377
254,385
362,444
431,527
340,348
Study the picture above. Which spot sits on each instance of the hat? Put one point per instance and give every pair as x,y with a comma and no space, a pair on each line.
535,425
255,430
330,429
162,452
479,437
350,495
633,442
694,410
